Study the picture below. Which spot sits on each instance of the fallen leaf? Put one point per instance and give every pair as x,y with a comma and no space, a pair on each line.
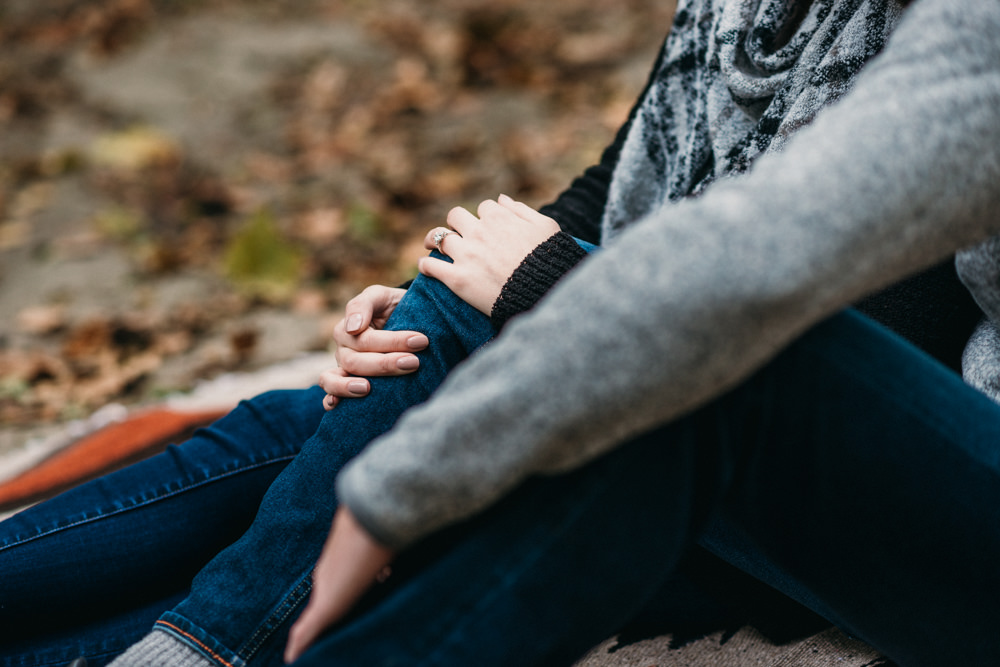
134,149
42,320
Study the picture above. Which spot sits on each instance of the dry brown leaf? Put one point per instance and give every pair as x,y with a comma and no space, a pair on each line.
42,320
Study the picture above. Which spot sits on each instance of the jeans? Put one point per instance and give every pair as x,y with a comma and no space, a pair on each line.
125,547
853,473
88,572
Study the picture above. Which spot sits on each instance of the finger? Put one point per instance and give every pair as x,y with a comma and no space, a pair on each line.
461,219
338,383
306,629
522,210
429,238
439,269
377,364
358,313
373,300
433,242
330,402
490,208
379,340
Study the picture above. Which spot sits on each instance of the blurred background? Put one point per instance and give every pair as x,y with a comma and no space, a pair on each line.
192,187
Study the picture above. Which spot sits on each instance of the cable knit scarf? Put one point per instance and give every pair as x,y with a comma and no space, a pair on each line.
736,79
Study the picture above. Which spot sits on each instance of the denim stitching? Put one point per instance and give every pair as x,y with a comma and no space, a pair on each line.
285,609
212,654
158,498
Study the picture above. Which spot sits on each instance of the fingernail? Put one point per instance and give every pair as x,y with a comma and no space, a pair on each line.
505,199
408,363
357,387
416,342
353,323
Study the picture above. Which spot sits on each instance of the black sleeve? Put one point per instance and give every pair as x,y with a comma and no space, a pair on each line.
535,276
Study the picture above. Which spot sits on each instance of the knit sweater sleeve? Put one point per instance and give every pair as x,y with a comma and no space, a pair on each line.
895,177
535,276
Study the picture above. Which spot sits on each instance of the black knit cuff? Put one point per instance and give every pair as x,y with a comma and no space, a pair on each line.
535,276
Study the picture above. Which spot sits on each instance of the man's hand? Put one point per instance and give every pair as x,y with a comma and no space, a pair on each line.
487,249
350,563
364,349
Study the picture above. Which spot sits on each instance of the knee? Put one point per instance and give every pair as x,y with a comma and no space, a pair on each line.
285,401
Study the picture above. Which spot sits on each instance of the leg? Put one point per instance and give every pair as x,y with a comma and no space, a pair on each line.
852,472
242,603
119,543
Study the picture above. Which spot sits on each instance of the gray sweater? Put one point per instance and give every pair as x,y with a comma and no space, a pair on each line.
899,174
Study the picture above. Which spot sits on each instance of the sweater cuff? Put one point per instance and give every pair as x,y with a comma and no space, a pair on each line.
535,276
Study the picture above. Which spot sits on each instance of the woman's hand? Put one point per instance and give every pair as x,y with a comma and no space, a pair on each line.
487,249
350,563
363,348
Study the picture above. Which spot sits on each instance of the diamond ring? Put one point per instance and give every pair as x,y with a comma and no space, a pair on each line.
439,236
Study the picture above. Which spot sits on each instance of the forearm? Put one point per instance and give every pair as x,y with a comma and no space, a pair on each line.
897,176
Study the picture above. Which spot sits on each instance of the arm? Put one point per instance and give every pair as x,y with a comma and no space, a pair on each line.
897,176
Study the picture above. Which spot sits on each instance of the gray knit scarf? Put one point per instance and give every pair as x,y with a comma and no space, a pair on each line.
736,79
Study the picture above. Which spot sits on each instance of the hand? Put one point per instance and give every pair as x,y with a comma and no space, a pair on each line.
486,249
350,563
363,348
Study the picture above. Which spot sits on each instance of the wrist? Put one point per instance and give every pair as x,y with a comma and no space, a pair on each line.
535,276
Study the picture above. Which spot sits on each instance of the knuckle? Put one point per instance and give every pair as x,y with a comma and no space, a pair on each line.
387,364
350,365
370,339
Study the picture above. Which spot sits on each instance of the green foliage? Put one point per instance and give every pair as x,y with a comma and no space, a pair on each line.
261,262
363,224
119,223
13,388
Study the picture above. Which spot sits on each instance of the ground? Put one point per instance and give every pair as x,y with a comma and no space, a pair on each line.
189,187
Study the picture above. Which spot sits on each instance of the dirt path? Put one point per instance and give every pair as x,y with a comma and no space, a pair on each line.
189,188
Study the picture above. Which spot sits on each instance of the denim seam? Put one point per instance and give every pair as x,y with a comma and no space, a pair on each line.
144,503
285,608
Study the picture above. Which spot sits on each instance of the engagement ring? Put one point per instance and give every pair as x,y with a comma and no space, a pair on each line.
439,236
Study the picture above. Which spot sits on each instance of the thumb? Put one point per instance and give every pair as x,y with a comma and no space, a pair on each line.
305,631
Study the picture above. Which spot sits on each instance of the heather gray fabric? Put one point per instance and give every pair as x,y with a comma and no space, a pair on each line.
160,649
979,269
896,176
736,80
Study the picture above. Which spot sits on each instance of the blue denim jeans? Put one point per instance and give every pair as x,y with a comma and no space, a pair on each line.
252,493
853,473
88,572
